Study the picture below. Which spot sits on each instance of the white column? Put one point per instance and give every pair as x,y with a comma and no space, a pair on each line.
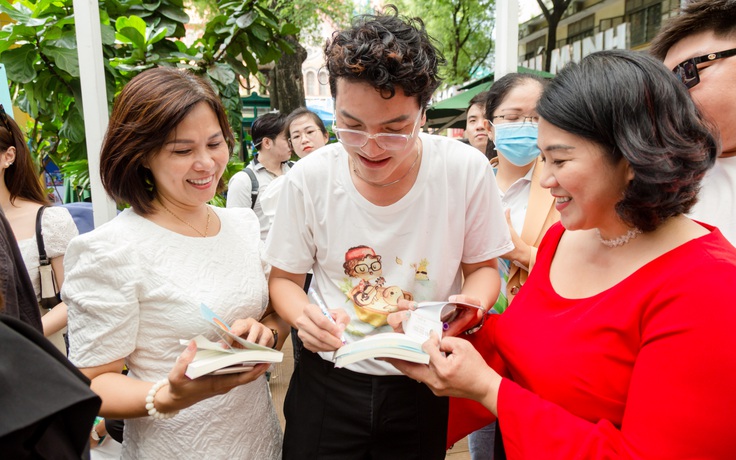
94,100
507,37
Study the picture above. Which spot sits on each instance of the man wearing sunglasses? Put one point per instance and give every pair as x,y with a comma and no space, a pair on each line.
699,45
425,207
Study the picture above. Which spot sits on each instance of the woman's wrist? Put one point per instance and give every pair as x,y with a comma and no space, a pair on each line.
490,396
159,403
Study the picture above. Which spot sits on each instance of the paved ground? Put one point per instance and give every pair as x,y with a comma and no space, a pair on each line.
280,375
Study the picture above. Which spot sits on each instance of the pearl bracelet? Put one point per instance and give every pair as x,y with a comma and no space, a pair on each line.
149,402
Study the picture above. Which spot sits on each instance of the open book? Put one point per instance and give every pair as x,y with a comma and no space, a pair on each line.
429,316
222,358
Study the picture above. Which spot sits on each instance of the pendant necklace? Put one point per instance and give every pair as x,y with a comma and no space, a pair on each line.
621,240
206,227
374,184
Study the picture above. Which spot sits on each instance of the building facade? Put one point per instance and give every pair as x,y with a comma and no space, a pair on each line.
594,25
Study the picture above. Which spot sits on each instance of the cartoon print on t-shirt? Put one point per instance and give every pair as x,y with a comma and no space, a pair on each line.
420,270
372,300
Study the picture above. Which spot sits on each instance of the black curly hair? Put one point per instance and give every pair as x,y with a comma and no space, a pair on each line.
634,108
387,52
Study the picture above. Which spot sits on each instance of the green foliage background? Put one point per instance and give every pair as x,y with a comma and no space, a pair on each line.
39,51
462,29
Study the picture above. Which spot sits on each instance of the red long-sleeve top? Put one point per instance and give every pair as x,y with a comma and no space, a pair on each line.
645,369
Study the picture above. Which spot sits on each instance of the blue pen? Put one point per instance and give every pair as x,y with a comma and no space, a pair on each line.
325,312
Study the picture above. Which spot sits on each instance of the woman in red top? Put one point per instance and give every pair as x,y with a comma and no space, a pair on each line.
620,344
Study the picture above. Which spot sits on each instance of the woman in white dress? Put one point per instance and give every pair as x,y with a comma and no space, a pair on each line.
134,285
21,195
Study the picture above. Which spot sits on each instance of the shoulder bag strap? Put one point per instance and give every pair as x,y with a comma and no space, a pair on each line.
43,259
253,186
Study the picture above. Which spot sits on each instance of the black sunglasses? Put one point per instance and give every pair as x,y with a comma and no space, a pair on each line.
687,71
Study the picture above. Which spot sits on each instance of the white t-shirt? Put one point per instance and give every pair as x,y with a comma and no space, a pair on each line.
717,198
451,215
134,288
270,197
516,199
239,191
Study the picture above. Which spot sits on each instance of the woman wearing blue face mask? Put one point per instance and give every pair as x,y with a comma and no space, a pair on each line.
511,122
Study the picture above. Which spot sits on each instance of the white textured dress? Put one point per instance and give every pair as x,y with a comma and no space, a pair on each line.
134,288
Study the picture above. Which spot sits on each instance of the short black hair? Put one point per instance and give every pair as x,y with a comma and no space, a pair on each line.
503,86
717,16
478,99
269,125
386,51
635,109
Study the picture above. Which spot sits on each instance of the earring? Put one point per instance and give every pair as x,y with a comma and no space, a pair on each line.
7,165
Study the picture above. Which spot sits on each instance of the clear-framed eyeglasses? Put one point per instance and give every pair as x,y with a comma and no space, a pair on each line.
386,141
311,132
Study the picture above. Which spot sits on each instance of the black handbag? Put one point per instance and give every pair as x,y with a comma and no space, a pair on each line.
50,296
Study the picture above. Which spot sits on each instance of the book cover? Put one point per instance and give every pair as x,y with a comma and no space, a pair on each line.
222,358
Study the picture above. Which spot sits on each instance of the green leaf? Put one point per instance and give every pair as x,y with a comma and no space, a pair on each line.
221,73
160,35
21,15
133,22
132,35
67,39
289,29
66,59
169,25
73,127
246,19
174,13
150,6
107,34
250,61
19,63
286,47
237,66
260,32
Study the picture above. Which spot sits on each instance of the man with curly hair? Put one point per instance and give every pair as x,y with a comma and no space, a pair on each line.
699,45
408,196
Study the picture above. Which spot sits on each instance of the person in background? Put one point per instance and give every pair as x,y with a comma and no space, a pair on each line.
271,161
475,127
699,45
512,125
612,349
380,219
134,286
306,133
21,196
16,289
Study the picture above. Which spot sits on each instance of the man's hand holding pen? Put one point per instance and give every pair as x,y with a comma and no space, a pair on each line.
320,331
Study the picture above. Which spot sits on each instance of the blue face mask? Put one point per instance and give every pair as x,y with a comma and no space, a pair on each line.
517,142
